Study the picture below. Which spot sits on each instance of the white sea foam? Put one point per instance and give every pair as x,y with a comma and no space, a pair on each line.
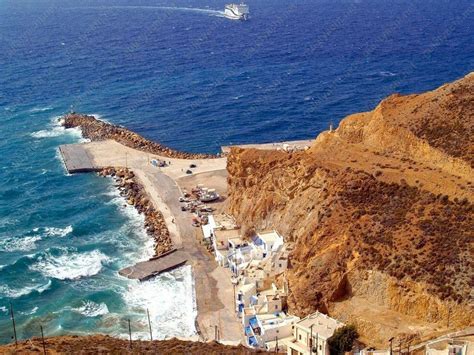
172,8
135,224
71,266
54,231
92,309
170,300
56,129
41,109
387,73
28,313
3,309
19,243
15,293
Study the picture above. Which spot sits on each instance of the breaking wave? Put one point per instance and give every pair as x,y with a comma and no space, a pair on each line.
28,313
170,299
70,266
91,309
56,129
19,243
54,231
15,293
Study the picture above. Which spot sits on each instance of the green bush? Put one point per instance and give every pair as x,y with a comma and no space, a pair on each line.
342,340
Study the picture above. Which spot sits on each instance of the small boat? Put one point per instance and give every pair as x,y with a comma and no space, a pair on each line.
209,196
237,11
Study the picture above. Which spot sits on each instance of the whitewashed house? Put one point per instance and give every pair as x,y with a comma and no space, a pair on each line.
310,335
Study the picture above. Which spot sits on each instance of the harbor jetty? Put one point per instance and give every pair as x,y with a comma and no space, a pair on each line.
98,130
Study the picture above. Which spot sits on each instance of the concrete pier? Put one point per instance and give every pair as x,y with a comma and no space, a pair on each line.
147,269
289,145
76,159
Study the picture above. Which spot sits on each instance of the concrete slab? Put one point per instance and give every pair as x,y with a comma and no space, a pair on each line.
76,159
147,269
291,145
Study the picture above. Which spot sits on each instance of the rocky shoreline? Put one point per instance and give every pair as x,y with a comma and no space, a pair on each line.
135,195
97,130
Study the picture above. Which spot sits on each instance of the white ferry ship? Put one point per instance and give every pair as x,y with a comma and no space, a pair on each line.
237,11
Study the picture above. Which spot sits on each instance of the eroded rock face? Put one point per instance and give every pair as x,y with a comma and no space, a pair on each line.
97,130
135,195
381,211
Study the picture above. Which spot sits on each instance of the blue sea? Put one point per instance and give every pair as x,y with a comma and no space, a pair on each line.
180,73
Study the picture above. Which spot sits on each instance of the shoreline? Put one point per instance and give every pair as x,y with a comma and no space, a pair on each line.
134,194
155,191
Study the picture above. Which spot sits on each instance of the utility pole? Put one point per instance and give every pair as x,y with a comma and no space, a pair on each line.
13,322
391,340
149,324
235,300
449,315
42,338
317,341
130,333
276,345
215,332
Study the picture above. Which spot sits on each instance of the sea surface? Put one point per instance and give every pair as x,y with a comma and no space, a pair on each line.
180,73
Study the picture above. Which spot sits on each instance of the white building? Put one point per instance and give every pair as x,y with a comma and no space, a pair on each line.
310,335
265,330
266,243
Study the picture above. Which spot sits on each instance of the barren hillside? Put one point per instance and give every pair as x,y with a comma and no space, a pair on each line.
381,212
102,344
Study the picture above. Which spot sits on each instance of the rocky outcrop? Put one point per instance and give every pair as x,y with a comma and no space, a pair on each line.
97,130
135,195
381,213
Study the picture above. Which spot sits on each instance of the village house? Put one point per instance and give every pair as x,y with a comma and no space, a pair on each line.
265,321
310,335
217,232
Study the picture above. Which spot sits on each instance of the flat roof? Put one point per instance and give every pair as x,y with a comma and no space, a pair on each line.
237,240
223,235
225,221
269,237
322,324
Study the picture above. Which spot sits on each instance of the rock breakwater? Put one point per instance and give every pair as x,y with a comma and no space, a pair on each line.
135,195
97,130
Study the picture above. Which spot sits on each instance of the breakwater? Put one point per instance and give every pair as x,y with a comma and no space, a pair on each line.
135,195
97,130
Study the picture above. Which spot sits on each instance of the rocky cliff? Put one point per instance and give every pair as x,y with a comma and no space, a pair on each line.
381,213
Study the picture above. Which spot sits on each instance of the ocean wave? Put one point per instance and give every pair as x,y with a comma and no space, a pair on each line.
41,109
56,129
3,309
28,313
15,293
54,231
19,243
136,224
170,299
70,266
91,309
